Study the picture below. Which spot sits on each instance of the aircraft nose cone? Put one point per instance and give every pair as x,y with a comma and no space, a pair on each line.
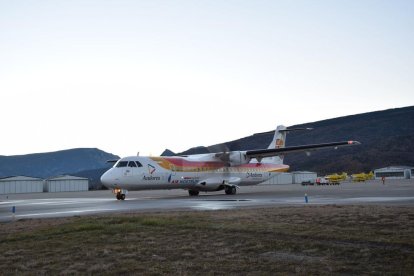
106,178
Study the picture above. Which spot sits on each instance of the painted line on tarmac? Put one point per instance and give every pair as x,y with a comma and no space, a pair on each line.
65,212
59,201
377,199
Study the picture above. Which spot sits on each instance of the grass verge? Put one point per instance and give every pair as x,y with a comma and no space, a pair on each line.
301,240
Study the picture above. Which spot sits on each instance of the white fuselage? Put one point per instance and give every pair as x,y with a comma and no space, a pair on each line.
197,172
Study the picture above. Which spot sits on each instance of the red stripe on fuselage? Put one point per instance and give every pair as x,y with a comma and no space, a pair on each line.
181,162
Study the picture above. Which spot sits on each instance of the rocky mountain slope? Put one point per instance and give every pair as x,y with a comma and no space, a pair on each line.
387,138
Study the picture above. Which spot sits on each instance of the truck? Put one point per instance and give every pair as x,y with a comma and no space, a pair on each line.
322,181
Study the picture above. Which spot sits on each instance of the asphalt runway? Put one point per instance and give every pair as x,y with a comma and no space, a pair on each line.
46,205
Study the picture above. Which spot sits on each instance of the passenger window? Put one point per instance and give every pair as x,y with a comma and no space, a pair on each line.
122,164
132,164
138,164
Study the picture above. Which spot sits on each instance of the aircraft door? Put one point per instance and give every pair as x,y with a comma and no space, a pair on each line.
173,170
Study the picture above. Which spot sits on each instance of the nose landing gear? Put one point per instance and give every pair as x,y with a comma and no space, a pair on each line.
120,193
120,196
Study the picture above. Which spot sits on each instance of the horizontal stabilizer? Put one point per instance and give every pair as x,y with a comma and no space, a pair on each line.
295,129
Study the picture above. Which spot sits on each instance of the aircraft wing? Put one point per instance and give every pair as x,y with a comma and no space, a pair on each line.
262,153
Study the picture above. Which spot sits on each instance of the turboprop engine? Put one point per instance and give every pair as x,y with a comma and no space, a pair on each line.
210,184
217,183
233,158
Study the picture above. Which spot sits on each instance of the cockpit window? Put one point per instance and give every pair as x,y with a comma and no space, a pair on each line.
132,164
122,164
138,164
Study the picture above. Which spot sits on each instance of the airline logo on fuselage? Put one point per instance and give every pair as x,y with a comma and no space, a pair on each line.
151,169
254,175
184,180
149,178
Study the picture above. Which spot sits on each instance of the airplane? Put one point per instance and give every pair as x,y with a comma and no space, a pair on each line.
362,177
336,178
222,170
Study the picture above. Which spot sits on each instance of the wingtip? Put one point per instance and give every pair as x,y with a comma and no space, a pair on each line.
354,143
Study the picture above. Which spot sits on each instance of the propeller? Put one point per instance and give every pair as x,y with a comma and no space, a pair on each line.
222,152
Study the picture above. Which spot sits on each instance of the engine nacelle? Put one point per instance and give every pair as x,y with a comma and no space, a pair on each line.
238,158
233,158
210,184
217,183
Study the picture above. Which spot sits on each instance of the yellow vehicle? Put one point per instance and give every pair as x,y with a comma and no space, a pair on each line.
362,177
335,178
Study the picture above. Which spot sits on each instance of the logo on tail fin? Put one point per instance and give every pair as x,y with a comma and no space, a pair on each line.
279,143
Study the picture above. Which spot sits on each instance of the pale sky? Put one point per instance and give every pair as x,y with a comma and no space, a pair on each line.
128,76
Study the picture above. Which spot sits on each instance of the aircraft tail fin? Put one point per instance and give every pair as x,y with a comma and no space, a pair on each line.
278,141
279,138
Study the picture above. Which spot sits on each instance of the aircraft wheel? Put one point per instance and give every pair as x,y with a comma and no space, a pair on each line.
230,190
123,196
118,196
193,192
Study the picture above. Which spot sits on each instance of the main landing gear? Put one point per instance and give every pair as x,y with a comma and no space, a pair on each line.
193,192
230,190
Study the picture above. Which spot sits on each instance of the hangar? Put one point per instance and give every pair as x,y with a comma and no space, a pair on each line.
291,178
21,184
66,183
303,176
394,172
279,178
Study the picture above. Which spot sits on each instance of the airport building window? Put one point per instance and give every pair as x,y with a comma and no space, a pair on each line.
122,164
390,174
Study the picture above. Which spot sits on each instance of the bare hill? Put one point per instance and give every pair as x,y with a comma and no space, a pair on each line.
50,164
387,138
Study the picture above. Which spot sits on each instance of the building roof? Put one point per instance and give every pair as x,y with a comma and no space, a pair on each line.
20,178
394,168
66,177
303,172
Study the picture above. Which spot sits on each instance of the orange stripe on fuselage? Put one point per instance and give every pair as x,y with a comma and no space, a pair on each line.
181,164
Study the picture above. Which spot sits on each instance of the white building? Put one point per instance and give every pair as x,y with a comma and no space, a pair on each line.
21,184
397,172
279,178
291,178
299,177
66,183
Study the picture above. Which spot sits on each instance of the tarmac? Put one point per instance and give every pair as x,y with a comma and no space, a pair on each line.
49,205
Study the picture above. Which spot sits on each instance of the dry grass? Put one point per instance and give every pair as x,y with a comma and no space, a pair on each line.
301,240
